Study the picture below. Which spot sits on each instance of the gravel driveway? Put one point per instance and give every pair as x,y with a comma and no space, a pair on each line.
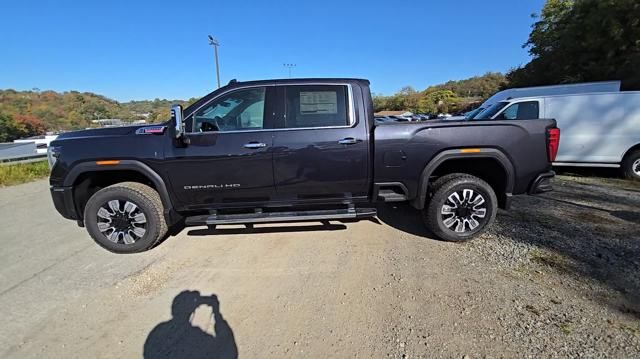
557,276
574,257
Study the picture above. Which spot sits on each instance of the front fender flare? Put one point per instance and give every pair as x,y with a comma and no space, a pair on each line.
132,165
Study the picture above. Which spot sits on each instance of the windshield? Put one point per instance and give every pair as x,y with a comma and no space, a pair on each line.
471,114
491,111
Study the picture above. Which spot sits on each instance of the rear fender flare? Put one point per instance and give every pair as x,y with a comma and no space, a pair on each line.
423,184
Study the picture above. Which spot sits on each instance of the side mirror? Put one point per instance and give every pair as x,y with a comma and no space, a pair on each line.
176,118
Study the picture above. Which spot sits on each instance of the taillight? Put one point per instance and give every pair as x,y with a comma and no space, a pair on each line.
553,142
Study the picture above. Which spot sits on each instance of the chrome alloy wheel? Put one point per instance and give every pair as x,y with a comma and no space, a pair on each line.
463,211
635,167
121,222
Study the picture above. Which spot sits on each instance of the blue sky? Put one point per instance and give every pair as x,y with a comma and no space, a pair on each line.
158,49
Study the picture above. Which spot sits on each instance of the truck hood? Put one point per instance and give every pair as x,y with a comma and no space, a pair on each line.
100,132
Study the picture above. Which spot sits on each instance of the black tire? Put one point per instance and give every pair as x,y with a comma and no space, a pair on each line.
631,165
474,219
126,219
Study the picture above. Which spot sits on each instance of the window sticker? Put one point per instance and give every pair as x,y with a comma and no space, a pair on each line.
318,102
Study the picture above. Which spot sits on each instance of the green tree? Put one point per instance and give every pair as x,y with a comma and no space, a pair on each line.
451,96
440,101
583,40
9,130
410,99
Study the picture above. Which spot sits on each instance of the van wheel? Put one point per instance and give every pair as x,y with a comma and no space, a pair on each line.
461,207
126,217
631,165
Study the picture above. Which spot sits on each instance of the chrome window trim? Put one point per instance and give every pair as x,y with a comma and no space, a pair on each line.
351,113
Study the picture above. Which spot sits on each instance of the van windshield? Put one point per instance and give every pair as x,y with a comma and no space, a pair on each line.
473,113
491,111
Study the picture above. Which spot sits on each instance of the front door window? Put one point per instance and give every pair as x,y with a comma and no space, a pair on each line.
241,110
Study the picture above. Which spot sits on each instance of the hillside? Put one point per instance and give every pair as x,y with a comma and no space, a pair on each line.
451,96
29,113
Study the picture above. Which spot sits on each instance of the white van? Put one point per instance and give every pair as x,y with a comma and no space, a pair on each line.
552,90
598,129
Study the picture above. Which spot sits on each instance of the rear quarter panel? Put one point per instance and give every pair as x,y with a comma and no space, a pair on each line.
523,142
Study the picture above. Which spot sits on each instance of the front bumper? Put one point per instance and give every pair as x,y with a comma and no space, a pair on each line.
542,183
63,201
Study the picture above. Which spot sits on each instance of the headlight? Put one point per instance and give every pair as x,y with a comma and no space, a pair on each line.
53,152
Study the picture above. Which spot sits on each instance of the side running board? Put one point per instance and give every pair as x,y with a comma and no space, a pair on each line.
275,217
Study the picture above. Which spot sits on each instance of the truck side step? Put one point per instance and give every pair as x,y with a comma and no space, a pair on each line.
389,195
274,217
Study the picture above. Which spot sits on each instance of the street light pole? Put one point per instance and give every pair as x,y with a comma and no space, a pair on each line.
213,42
289,66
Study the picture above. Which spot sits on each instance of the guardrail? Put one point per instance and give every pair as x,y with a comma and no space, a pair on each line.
23,159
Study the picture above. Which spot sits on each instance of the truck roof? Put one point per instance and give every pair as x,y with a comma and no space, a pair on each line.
528,98
272,82
235,83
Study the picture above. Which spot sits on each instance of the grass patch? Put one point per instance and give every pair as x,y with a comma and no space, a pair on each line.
566,328
550,259
23,172
635,330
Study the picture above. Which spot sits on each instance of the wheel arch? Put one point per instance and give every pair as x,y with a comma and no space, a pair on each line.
629,151
448,156
142,171
627,166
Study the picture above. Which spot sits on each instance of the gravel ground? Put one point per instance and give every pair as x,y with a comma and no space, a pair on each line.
575,256
555,277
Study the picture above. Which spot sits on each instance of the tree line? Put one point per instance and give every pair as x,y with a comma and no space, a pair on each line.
571,41
31,113
452,96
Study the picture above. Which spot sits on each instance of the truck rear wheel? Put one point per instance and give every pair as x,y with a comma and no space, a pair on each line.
631,165
126,217
461,207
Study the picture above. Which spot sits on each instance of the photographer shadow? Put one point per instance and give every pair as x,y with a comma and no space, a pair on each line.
178,338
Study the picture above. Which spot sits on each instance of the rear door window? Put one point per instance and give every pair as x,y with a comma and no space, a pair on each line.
316,106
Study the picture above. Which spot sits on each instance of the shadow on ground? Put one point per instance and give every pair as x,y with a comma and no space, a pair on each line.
178,338
588,172
403,217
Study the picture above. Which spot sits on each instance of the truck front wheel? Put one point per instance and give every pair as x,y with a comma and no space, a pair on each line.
126,217
461,207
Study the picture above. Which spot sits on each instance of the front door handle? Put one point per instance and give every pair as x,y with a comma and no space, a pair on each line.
255,145
348,141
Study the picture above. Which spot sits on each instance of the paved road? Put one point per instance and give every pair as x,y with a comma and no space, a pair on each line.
360,289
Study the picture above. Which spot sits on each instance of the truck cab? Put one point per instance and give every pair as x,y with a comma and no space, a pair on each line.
272,144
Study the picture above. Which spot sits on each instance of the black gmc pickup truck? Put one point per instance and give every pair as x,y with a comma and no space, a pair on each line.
292,150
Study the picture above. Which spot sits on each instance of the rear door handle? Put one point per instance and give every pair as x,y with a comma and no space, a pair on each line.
255,145
348,141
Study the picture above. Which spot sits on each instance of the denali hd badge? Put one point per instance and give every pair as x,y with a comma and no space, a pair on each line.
214,186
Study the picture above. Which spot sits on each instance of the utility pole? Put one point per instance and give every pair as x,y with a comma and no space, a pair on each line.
213,42
289,66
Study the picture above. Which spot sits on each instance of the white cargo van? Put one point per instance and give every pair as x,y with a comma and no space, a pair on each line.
598,129
552,90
